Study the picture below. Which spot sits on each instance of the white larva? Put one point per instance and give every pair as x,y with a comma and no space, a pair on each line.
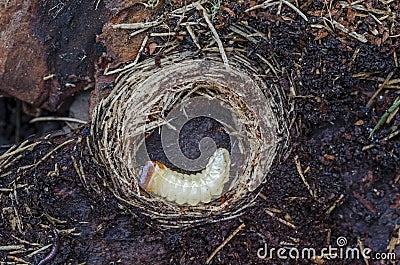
188,189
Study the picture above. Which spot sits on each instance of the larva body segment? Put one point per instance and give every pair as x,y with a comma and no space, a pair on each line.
184,188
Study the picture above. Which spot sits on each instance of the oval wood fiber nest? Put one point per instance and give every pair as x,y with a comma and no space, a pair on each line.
191,83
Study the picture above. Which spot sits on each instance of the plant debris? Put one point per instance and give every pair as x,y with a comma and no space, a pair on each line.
331,75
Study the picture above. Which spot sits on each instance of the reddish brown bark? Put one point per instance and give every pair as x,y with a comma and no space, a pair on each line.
47,50
22,55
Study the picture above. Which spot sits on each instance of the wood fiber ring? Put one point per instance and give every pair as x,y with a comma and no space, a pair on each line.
121,119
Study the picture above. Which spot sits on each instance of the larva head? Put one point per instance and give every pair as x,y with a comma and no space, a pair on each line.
148,171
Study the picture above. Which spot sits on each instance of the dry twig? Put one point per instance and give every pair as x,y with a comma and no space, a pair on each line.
395,240
66,119
140,25
335,204
224,243
295,9
191,33
262,5
47,155
380,88
289,224
345,30
215,34
118,70
300,170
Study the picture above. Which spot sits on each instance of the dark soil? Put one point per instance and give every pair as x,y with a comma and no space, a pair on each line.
357,195
189,137
15,126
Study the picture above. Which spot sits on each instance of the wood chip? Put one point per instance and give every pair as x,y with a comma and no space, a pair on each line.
329,157
359,123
